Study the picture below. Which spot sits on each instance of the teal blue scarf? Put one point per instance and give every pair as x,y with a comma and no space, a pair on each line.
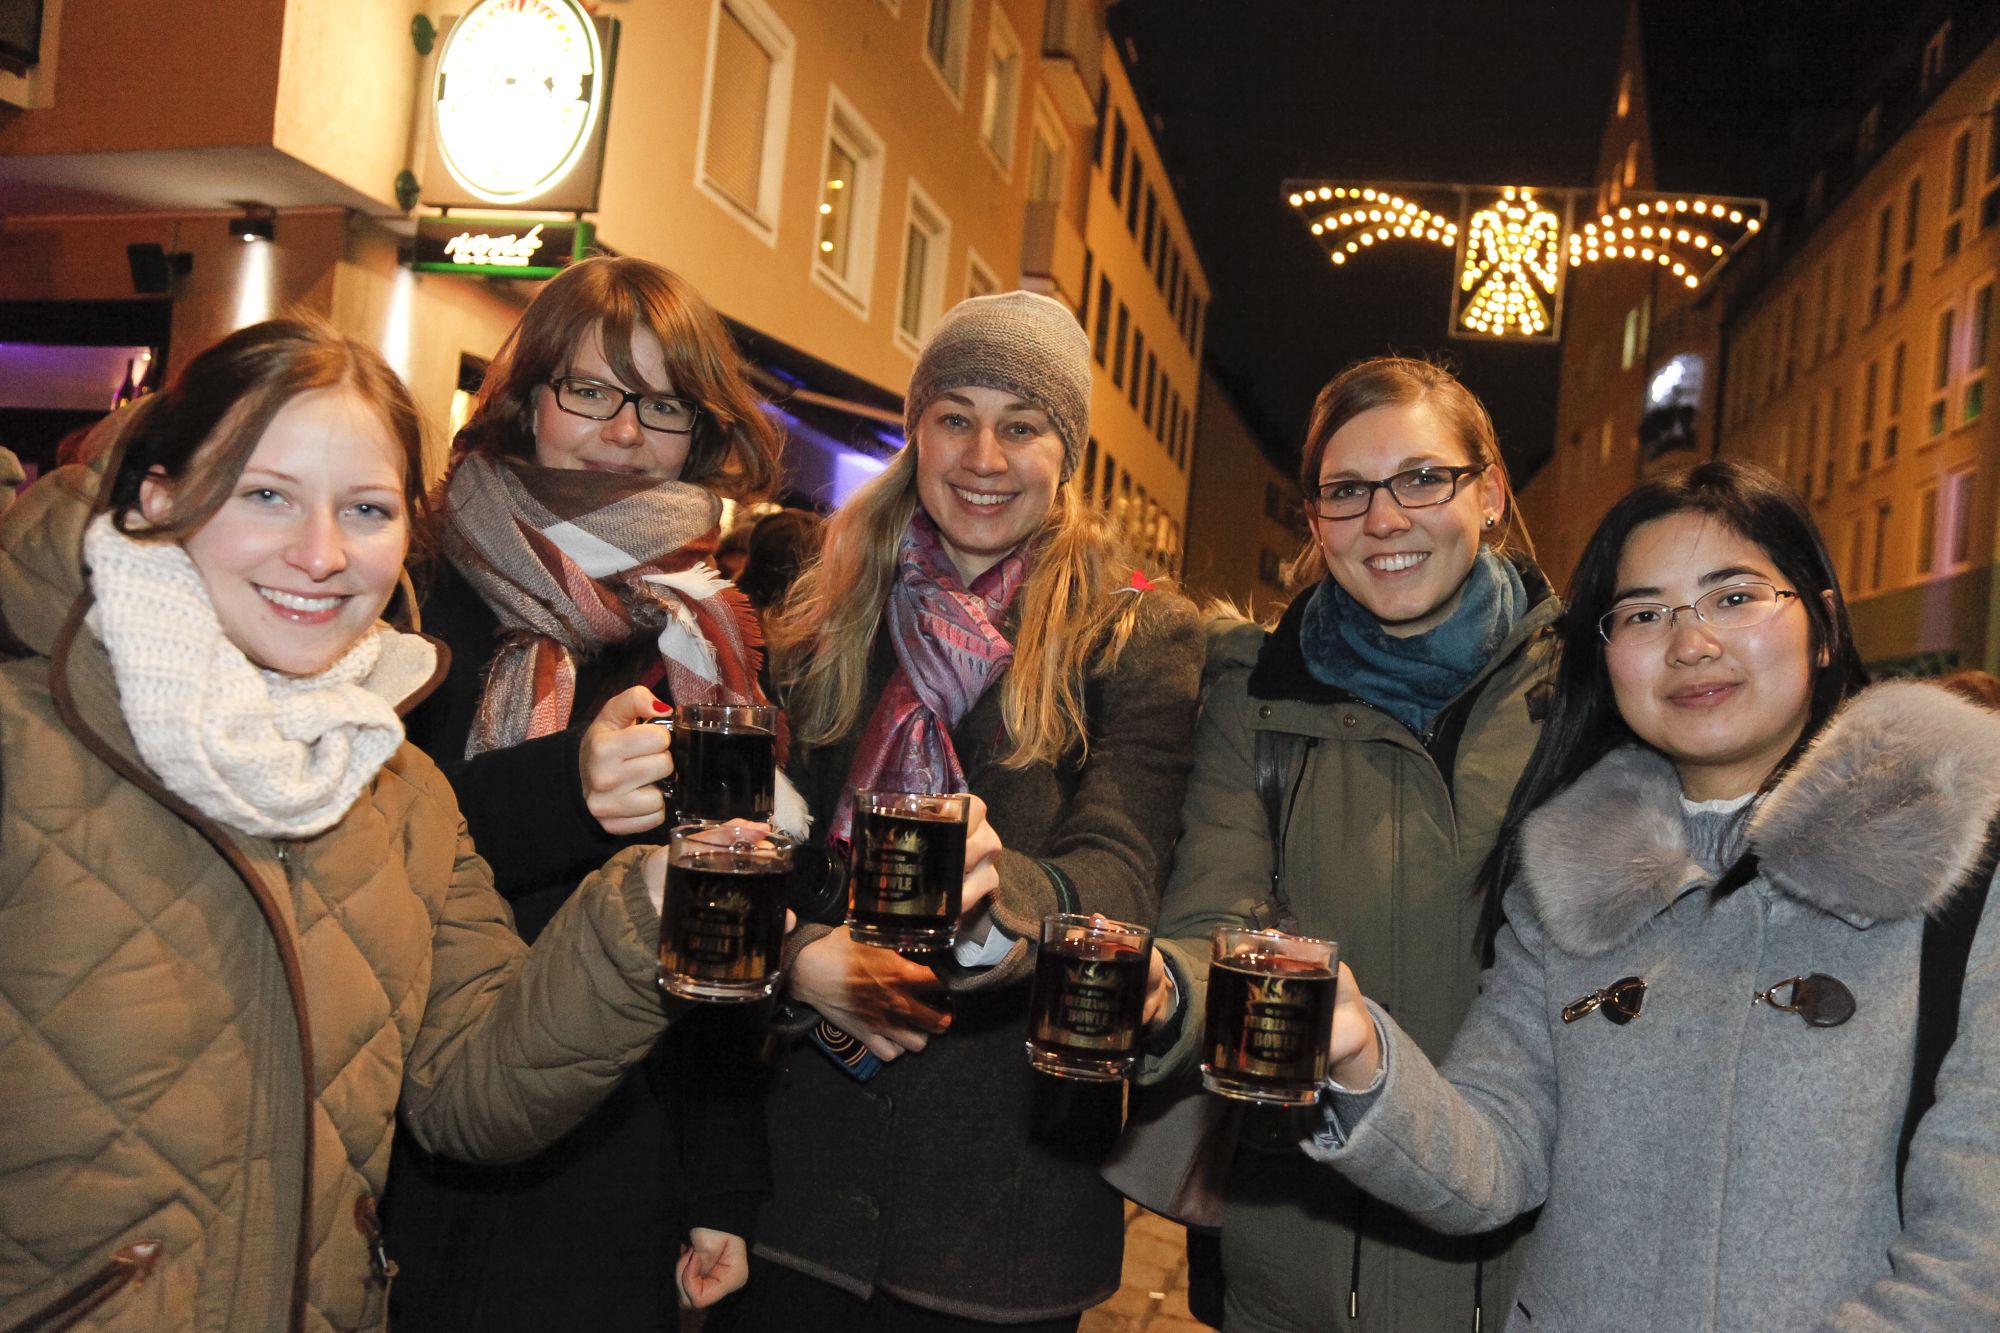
1412,678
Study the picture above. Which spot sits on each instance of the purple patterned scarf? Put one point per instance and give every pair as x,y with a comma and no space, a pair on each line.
949,649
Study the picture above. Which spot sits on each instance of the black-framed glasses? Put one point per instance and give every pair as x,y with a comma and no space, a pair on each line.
1419,488
601,402
1620,1001
1734,606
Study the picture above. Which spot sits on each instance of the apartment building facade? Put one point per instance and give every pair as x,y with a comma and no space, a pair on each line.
833,176
1859,367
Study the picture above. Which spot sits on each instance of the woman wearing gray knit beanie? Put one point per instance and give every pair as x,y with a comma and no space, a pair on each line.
972,626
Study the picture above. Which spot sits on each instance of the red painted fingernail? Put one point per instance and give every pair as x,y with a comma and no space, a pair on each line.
659,707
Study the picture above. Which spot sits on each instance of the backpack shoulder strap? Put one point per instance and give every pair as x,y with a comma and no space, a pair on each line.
1274,759
1940,983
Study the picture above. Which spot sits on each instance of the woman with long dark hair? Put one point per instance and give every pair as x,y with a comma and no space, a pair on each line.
1350,772
242,917
573,585
1739,1043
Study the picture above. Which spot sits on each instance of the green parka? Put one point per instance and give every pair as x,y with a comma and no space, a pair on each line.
204,1035
1382,833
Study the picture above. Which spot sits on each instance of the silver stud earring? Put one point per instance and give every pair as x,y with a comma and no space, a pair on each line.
1489,520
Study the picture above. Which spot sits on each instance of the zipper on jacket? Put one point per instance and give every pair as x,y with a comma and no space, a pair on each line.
381,1268
128,1266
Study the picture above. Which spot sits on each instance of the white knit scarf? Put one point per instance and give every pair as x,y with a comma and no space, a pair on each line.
265,753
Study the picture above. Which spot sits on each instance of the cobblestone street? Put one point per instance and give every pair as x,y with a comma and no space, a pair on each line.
1153,1297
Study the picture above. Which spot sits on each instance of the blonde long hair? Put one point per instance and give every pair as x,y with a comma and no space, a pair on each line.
1073,623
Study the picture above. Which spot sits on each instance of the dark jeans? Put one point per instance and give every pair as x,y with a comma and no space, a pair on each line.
778,1300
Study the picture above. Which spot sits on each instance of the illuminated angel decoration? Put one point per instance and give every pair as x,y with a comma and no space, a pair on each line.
1513,255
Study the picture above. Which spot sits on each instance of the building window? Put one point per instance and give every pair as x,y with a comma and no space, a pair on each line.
1878,550
1884,223
1912,201
850,194
1048,157
1083,297
1630,174
1933,64
1869,134
1989,200
1110,471
1118,348
745,110
1864,447
1150,414
1978,346
1834,432
926,241
1955,520
1940,385
944,42
1101,347
1955,192
1117,182
979,276
1001,110
1137,182
1624,94
1270,568
1133,385
1629,351
1927,530
1150,226
1087,474
1825,311
1892,428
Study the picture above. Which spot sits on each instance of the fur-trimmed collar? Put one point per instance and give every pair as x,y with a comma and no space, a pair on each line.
1885,812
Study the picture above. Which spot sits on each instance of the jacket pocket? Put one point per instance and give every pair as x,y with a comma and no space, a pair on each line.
129,1265
1535,1311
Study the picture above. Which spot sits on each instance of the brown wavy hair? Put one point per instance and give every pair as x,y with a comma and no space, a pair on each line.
734,450
1401,381
201,430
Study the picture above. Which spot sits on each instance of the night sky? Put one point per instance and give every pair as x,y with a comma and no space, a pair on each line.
1248,93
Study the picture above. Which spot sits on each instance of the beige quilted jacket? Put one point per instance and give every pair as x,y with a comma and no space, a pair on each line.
204,1035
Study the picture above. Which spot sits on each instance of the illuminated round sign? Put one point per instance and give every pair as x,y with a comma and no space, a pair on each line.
519,89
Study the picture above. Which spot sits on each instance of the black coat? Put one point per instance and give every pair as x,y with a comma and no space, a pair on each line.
584,1235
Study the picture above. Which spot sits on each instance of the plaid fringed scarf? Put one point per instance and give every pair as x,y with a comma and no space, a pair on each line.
574,562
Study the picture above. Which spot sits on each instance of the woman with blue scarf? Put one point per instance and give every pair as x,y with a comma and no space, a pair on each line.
1351,771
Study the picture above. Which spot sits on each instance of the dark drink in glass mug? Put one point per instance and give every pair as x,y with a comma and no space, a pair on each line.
722,926
1088,995
1270,1015
906,877
725,761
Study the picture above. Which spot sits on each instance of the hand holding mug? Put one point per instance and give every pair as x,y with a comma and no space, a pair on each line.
1355,1053
982,852
622,761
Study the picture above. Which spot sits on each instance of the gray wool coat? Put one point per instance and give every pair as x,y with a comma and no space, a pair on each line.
1717,1164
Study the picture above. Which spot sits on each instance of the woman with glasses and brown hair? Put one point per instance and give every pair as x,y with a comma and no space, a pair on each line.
1351,769
1741,1041
573,585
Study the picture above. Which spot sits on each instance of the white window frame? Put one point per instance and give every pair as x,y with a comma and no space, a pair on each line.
1944,324
1955,520
1045,128
1973,358
1895,385
1930,531
1000,96
770,33
1957,181
1985,185
846,126
959,17
977,268
922,212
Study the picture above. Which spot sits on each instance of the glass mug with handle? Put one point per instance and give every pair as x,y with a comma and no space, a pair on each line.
906,876
725,761
1088,996
722,923
1270,1015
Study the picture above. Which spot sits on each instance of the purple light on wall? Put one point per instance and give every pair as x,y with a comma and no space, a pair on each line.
67,377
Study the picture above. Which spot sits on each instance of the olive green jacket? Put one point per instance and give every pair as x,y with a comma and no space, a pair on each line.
1380,846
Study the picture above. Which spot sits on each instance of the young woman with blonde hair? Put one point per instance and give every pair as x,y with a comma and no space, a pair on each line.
971,626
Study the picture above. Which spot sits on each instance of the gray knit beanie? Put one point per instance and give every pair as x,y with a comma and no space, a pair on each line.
1020,343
